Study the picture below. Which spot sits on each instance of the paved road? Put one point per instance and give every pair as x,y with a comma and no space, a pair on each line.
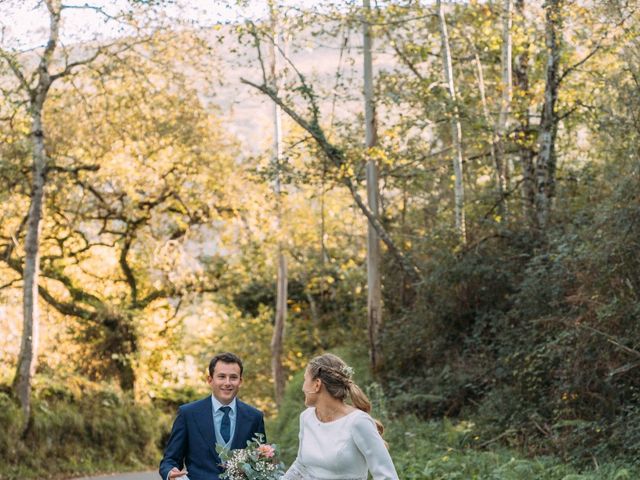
126,476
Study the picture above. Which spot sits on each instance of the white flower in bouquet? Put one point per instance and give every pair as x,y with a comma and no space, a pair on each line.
259,461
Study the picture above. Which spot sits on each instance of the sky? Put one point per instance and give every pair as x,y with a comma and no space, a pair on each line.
24,23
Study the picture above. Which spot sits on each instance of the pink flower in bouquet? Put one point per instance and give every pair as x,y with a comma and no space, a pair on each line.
266,451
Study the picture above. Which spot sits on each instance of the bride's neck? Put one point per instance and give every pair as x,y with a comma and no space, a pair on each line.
331,409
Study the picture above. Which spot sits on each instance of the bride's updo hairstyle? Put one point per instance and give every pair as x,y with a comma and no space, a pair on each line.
336,375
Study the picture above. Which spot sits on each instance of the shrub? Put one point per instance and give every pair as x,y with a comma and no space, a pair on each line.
537,336
86,429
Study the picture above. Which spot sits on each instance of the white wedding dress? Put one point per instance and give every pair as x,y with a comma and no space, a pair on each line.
345,449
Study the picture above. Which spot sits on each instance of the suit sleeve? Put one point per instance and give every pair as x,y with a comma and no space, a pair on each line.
176,448
260,427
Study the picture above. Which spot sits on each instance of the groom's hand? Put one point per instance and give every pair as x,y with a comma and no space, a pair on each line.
175,473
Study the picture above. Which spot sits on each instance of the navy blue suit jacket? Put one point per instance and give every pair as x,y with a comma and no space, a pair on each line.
192,443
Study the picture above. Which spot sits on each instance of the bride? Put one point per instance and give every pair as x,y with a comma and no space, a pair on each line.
338,441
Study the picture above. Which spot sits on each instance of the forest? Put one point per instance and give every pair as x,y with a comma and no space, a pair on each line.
444,193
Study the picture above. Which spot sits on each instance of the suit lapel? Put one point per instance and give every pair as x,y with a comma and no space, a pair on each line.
243,426
204,420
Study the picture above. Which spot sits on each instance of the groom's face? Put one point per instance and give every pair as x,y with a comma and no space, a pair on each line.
225,382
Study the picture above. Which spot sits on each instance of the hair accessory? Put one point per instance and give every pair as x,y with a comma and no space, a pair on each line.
347,371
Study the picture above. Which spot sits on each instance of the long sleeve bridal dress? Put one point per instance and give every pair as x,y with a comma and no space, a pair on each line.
344,449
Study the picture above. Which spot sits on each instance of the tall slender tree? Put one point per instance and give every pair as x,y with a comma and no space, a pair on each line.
35,89
546,161
505,103
374,296
488,120
277,339
456,128
526,153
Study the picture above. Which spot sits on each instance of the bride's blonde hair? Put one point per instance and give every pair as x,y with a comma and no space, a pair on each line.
336,376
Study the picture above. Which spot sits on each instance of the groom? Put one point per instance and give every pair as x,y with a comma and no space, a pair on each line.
219,419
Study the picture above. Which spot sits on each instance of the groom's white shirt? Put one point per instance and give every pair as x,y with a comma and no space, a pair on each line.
217,420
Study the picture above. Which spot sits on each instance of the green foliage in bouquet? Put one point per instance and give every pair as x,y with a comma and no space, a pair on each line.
259,461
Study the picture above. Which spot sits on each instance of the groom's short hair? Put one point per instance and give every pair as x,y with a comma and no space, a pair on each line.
225,357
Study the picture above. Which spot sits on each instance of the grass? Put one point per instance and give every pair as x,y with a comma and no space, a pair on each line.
441,449
436,450
98,431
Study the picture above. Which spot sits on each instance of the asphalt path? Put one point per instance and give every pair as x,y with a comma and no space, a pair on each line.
154,475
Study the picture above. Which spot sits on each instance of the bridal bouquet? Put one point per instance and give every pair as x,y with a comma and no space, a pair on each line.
259,461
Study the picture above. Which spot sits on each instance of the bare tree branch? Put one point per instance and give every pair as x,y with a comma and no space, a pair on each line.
337,157
598,47
15,68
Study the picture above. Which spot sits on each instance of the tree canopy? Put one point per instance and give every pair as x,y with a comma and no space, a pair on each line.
506,149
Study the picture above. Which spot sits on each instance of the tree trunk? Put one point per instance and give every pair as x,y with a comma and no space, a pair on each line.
499,177
456,128
28,356
507,88
277,340
125,347
374,297
526,153
546,162
313,307
27,359
505,104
